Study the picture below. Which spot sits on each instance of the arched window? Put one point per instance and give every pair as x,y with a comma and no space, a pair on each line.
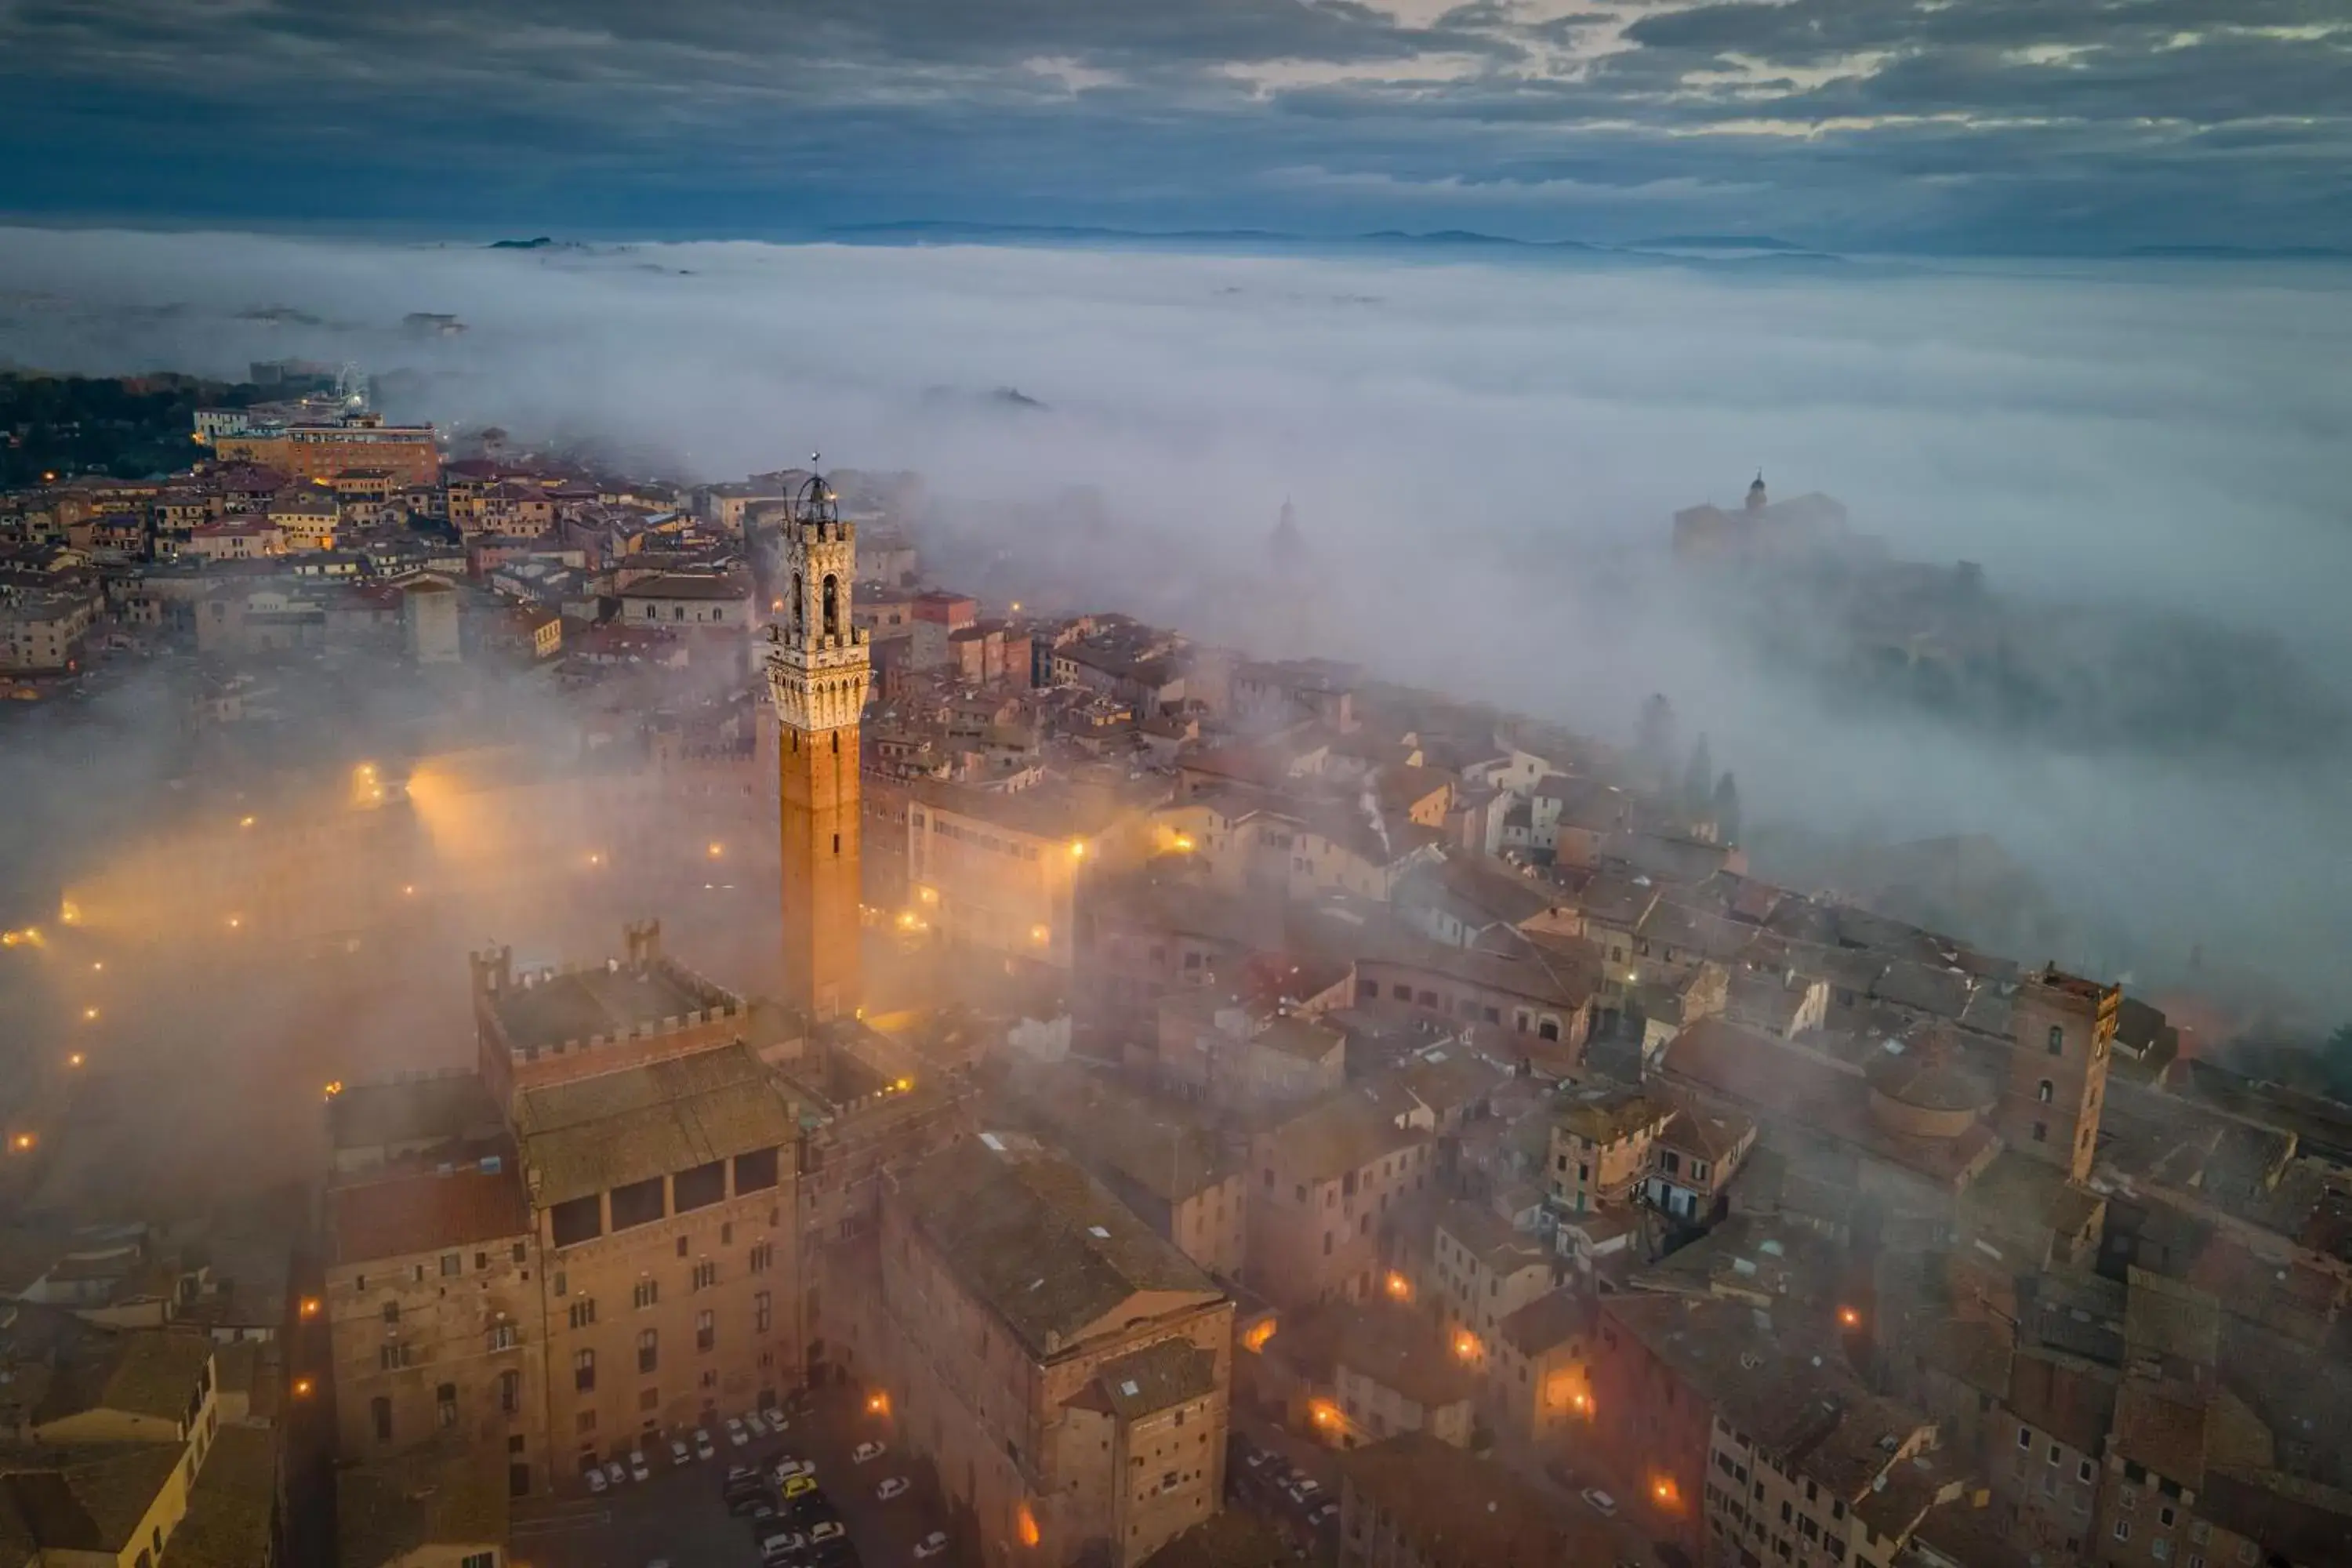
800,605
2044,1093
831,606
380,1411
1548,1029
2057,1039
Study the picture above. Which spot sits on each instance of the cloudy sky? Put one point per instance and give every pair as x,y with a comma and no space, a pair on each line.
1946,125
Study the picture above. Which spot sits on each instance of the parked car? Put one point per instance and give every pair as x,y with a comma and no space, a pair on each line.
895,1486
637,1466
826,1529
777,1542
1600,1502
931,1545
703,1447
1323,1514
799,1486
787,1466
596,1481
735,1432
1257,1458
678,1453
756,1423
865,1452
614,1473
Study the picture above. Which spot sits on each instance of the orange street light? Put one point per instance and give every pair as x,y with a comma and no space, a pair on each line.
74,1059
877,1403
302,1388
23,1142
1400,1288
310,1306
1848,1318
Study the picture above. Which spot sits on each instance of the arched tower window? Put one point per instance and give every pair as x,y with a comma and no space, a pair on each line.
800,605
2044,1093
831,606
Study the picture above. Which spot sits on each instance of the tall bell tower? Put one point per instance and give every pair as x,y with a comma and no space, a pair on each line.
816,668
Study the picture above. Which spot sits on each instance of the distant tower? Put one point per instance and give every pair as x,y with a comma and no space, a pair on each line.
1755,493
2061,1029
1287,545
816,678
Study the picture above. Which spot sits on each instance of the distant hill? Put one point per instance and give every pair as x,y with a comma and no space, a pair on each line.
2243,252
1716,242
542,243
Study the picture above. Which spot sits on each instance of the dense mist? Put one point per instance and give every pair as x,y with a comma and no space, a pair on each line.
1483,460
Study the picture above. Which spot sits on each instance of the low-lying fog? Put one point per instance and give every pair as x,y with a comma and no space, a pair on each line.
1483,460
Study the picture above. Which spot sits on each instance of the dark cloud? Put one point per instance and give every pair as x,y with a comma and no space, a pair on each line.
2200,119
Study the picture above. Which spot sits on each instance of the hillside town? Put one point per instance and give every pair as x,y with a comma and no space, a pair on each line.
912,1074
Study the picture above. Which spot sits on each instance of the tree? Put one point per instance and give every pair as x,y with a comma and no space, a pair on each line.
1727,810
1698,780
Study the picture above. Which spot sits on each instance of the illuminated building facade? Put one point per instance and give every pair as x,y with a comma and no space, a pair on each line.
817,667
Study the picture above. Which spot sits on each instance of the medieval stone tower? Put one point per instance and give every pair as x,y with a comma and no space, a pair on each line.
816,667
2060,1027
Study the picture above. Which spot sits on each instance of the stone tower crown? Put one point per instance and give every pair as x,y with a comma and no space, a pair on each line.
817,659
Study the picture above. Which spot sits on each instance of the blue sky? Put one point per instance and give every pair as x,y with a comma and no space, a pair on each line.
1951,124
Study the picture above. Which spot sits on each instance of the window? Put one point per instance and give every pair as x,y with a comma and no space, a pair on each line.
2164,1516
706,1331
646,1293
560,1285
1548,1029
583,1370
452,1265
446,1399
479,1559
681,1241
380,1412
763,1253
510,1393
2122,1530
2045,1091
649,1399
639,1203
583,1311
392,1312
482,1260
2161,1549
2057,1039
2082,1471
761,1313
576,1220
521,1252
706,1274
2052,1457
391,1358
697,1188
755,1171
649,1350
503,1336
2042,1132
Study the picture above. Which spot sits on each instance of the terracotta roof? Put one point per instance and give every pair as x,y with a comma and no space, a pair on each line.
1547,1322
1342,1132
1158,1377
1029,1235
417,1211
594,1133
